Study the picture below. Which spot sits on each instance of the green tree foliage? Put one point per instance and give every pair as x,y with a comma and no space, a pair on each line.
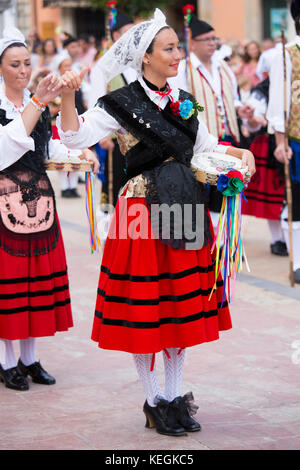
136,8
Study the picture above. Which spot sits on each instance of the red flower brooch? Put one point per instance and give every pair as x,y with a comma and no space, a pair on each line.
111,4
187,9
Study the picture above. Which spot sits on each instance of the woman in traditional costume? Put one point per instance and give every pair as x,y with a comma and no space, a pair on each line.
154,286
34,289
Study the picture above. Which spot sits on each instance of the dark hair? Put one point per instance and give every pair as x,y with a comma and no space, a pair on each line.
151,46
15,44
85,38
247,58
68,41
53,42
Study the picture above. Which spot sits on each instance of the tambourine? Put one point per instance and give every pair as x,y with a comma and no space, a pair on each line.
208,166
68,165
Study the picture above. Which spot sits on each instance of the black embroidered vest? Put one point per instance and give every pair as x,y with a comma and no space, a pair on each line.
28,225
161,136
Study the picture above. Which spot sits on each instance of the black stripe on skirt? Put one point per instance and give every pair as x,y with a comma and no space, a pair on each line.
47,277
158,277
161,298
38,308
161,321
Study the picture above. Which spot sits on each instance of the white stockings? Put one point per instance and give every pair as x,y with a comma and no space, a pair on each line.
27,353
173,363
173,372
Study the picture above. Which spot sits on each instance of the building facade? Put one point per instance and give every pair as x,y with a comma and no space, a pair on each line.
232,19
247,19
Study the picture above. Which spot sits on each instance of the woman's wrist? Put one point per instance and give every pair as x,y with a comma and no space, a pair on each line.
36,108
235,152
37,103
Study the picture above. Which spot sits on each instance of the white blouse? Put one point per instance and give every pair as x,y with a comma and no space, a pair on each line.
275,113
14,141
96,124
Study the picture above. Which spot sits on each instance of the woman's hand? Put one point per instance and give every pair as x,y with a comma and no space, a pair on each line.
248,160
48,88
245,111
89,156
71,81
282,154
107,144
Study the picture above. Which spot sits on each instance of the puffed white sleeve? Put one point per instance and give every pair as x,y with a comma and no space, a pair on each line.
206,142
275,113
94,125
59,152
14,142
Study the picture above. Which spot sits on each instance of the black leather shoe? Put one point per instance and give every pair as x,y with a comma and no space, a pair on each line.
37,373
13,378
182,408
74,193
279,248
66,193
159,417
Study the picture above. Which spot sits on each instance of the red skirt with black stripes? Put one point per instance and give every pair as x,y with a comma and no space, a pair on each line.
265,192
152,296
34,294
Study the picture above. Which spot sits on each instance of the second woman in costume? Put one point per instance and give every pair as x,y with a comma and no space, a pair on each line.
34,288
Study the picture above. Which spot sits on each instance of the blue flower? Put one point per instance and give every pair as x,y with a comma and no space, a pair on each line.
222,183
186,109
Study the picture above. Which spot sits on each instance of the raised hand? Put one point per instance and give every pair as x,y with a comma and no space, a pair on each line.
48,88
71,81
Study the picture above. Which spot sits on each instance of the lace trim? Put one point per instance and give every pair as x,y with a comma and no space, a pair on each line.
8,106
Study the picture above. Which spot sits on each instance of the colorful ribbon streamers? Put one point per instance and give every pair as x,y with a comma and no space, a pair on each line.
90,210
228,236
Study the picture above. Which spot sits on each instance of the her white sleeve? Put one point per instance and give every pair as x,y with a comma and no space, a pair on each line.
206,142
14,142
94,125
59,152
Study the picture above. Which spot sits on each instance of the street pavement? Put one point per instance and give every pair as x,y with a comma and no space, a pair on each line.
247,384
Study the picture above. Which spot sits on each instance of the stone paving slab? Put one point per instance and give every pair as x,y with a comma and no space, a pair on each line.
246,384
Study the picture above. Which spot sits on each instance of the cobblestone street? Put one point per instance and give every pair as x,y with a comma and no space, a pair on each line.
246,384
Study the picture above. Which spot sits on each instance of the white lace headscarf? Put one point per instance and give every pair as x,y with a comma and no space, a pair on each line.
11,35
130,49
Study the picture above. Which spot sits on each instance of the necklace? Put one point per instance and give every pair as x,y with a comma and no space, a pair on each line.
20,109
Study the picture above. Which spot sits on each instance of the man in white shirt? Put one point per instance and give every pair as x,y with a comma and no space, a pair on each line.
266,59
276,115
